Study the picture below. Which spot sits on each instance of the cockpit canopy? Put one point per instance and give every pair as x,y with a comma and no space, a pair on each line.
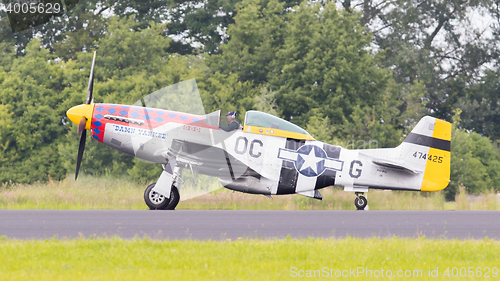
264,120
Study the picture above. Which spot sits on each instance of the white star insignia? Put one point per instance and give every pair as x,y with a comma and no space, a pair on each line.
310,161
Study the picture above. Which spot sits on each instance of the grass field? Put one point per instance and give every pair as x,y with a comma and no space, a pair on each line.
104,193
143,259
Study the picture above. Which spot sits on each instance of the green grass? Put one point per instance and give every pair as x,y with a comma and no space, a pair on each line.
108,193
333,199
83,194
143,259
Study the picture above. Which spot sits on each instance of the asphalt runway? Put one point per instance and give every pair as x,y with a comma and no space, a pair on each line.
222,225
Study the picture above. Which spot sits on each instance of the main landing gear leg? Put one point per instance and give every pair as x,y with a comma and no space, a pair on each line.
360,202
170,179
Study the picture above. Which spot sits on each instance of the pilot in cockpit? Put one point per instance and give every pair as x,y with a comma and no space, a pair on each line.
233,123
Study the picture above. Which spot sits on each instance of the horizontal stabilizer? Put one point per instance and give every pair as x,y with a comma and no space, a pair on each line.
396,166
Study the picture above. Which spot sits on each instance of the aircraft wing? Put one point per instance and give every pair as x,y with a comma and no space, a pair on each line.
207,160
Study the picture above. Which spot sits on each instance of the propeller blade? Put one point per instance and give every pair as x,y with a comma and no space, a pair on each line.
82,132
81,125
148,120
81,148
90,88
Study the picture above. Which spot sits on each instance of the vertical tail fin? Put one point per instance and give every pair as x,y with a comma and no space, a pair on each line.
427,148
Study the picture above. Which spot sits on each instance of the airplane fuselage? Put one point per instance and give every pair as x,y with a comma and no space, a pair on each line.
245,160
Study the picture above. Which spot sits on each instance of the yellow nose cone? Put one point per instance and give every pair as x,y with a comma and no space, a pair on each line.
76,113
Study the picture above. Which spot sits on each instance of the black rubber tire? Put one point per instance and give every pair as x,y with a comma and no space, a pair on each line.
165,204
174,198
360,202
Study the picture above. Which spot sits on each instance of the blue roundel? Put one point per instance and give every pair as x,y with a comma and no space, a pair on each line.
310,160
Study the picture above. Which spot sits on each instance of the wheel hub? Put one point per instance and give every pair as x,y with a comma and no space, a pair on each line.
156,197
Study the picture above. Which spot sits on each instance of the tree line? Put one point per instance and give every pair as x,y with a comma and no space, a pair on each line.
345,71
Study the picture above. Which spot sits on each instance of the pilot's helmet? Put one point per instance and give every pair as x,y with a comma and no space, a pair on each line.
232,114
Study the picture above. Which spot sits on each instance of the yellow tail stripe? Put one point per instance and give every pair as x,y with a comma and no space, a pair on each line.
442,130
437,169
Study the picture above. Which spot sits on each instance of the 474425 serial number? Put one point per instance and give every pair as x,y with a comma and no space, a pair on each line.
431,158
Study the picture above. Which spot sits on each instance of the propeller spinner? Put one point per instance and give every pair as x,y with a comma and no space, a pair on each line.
82,116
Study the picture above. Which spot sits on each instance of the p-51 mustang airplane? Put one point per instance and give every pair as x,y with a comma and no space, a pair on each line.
268,156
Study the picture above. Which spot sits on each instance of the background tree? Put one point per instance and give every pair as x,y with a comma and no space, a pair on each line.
437,43
358,71
31,97
475,162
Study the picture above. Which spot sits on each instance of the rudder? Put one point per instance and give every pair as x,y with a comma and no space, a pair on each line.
427,148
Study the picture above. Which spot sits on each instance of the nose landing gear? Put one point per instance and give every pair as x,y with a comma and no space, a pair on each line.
360,202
